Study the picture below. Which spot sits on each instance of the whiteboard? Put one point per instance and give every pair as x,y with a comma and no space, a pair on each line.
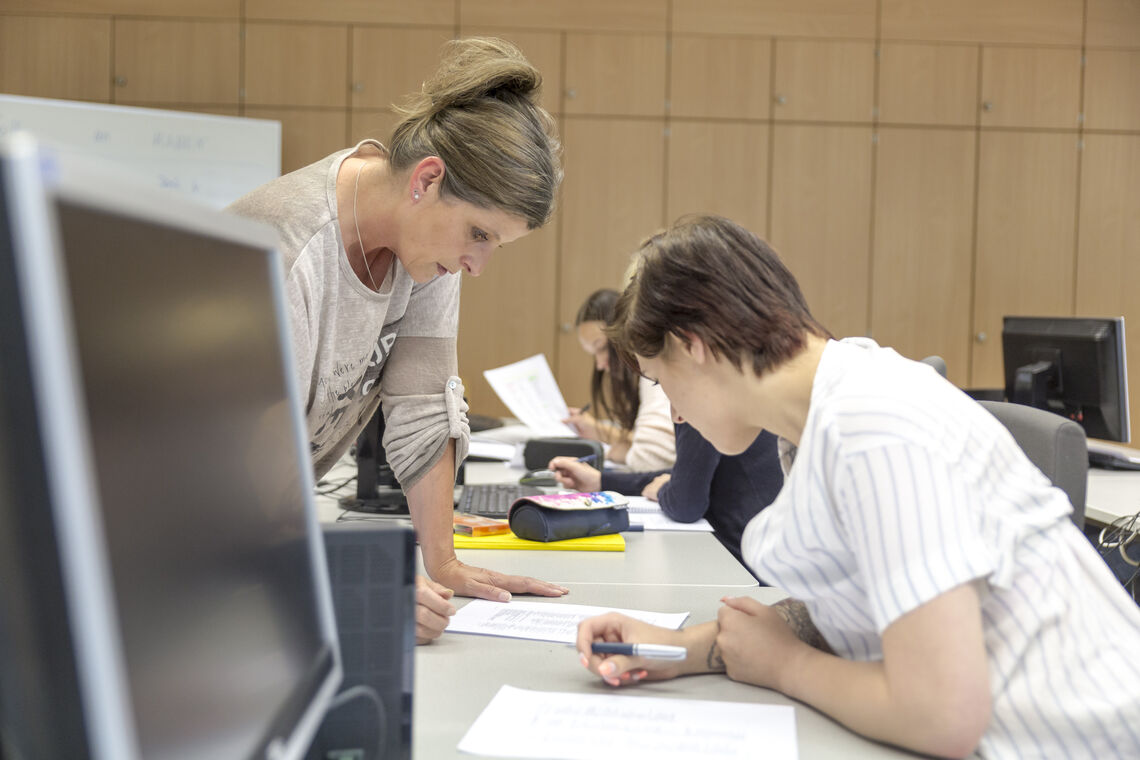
216,159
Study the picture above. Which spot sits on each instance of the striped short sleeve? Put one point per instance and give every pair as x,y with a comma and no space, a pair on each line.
912,525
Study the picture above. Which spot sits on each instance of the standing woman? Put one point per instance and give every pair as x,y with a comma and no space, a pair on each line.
631,414
942,599
374,239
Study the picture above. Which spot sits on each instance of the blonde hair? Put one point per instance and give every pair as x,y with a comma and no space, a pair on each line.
480,114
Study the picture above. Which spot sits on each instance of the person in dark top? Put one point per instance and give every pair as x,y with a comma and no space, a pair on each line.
725,490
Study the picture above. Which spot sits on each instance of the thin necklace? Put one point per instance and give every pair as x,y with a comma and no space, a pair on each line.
356,223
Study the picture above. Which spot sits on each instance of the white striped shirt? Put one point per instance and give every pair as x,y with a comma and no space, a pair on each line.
904,488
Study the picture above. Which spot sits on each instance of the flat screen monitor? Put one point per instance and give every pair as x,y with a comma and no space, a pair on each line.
163,585
1073,366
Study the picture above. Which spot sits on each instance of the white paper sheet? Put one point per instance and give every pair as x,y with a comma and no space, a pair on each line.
542,621
661,522
529,390
539,724
647,513
503,452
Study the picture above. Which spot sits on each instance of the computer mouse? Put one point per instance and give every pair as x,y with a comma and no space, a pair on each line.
539,478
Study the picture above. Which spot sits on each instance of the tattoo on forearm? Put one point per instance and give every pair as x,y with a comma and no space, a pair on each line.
795,614
714,661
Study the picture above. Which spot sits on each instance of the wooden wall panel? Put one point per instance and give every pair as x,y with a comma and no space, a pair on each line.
789,18
390,63
1113,23
307,135
50,57
430,12
821,216
164,8
720,77
719,168
1025,249
377,124
1045,22
615,74
1108,268
816,80
933,84
296,64
922,257
568,15
1112,89
1031,87
162,61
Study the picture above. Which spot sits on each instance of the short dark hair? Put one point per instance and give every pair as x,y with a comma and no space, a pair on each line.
708,277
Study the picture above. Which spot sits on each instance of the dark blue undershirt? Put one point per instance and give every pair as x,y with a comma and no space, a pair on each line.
725,490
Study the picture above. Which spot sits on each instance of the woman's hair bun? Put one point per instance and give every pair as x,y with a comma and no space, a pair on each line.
478,67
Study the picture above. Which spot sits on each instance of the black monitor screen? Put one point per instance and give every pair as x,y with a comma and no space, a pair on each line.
1073,366
201,493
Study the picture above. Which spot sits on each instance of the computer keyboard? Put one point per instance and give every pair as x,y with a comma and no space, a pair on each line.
492,499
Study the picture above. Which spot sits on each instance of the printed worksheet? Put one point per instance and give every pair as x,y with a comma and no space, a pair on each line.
542,621
529,390
541,724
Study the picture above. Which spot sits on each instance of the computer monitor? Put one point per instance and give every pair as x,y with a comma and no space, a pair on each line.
1073,366
163,584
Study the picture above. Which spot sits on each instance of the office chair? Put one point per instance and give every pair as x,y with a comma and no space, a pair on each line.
1057,446
937,362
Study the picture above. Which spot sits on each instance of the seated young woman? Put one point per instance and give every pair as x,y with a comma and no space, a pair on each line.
941,598
726,490
630,414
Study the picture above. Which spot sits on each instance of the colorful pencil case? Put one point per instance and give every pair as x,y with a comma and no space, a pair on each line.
559,516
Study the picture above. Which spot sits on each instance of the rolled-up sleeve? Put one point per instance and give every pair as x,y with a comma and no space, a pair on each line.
421,393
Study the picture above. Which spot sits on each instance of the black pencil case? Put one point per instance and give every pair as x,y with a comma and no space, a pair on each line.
556,517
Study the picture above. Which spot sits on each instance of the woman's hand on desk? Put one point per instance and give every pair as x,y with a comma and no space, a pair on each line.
622,670
575,475
433,608
487,584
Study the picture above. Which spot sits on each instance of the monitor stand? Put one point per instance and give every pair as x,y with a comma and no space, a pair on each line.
377,491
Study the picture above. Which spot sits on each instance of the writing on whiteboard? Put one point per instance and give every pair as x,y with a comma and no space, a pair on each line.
216,159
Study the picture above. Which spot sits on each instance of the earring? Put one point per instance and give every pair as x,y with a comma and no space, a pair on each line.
415,195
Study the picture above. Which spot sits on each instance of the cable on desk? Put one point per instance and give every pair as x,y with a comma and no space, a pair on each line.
348,515
329,489
1119,546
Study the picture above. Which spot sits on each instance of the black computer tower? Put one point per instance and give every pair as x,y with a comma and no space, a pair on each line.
372,573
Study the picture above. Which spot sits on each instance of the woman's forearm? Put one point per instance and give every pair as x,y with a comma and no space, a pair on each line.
431,503
929,693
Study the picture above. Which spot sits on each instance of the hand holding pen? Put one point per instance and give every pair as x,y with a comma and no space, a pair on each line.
576,474
623,650
583,422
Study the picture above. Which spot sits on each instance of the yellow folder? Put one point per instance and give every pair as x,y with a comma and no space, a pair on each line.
612,542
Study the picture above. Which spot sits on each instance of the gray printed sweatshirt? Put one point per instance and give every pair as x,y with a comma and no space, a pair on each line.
356,348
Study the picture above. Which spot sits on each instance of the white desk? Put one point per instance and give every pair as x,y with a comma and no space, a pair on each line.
459,674
1112,494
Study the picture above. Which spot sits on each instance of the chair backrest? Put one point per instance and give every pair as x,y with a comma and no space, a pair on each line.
937,362
1057,446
